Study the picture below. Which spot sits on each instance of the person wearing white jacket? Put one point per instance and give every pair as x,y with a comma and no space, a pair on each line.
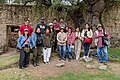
87,35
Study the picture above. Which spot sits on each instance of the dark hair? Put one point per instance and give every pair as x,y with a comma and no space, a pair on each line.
78,28
61,18
70,28
88,27
24,34
36,29
55,19
52,29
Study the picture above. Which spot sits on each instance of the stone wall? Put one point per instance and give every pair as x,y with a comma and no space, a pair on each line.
111,19
13,15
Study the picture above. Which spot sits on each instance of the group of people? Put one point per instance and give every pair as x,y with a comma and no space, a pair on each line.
58,36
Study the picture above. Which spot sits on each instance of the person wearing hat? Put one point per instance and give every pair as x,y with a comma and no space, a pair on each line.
26,25
101,47
24,44
42,25
52,32
62,39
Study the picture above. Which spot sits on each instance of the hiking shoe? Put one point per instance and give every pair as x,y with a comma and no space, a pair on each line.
37,64
34,65
69,60
105,63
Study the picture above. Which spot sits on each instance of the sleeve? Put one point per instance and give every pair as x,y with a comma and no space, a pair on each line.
34,39
108,35
19,42
91,34
43,38
82,34
95,35
20,28
73,38
58,35
31,44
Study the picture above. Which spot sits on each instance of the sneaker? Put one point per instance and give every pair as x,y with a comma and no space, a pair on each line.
21,67
37,64
34,65
105,63
69,60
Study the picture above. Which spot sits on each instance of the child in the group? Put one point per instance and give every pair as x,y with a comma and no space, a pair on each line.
70,42
78,42
24,44
62,38
53,34
37,46
47,38
87,35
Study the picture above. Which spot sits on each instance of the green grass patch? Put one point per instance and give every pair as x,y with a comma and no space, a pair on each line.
115,51
9,60
85,76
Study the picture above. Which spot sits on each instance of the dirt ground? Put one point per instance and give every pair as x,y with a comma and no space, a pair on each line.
74,66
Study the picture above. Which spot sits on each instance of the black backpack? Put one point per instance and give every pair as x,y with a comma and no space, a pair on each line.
39,40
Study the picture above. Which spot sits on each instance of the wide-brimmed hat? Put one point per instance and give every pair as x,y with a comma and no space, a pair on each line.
99,25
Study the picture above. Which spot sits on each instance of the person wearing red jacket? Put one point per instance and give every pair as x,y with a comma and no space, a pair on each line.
25,26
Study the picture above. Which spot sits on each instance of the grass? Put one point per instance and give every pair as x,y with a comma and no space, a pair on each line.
115,51
16,74
9,60
85,76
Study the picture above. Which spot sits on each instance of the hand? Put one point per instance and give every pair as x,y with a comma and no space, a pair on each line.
101,35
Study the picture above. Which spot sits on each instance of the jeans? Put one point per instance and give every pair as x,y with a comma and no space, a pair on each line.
70,52
104,51
24,58
86,49
62,51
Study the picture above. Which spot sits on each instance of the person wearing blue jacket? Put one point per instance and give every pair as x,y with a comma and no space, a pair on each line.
24,44
37,46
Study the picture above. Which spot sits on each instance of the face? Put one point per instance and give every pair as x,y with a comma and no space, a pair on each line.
38,30
69,30
27,22
42,21
47,31
66,28
26,32
55,21
51,27
61,20
62,30
100,28
86,26
77,29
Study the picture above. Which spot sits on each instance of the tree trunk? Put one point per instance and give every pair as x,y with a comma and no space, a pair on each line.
94,10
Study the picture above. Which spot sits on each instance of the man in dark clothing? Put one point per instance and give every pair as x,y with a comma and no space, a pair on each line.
42,25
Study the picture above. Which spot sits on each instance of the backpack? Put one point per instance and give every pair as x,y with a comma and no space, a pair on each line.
39,40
